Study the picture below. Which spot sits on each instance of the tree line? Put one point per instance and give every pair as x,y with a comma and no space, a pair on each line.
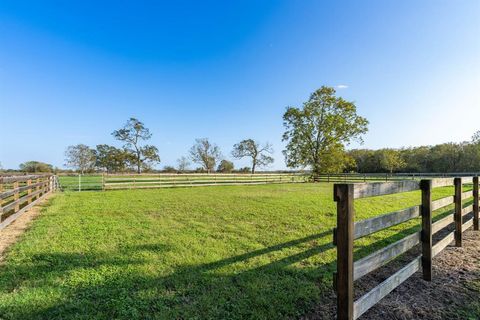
446,157
317,135
136,155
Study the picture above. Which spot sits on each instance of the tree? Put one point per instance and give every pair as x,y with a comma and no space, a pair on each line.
169,169
225,166
252,149
132,134
476,137
392,160
80,157
35,166
112,159
183,164
205,153
317,133
244,170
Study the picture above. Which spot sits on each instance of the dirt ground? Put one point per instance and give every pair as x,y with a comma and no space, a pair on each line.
453,293
10,234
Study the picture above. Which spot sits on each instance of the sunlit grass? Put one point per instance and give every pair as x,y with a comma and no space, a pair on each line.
222,252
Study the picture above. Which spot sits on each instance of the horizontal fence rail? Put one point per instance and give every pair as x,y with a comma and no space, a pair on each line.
383,177
347,230
19,193
166,180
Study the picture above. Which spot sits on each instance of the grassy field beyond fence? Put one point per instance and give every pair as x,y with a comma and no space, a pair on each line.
228,252
145,181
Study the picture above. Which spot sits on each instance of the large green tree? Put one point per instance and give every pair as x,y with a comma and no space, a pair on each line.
392,160
316,133
132,134
225,166
35,166
260,154
112,159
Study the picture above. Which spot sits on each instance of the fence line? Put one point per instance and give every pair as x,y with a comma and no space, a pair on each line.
194,180
19,193
375,177
348,230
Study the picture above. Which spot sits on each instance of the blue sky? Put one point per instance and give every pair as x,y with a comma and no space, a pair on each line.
73,71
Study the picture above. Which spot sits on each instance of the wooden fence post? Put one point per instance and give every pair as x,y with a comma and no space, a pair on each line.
475,203
103,181
458,211
343,195
38,189
29,191
1,190
16,196
426,187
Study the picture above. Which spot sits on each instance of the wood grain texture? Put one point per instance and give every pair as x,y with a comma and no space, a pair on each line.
343,196
384,255
372,225
441,203
364,190
371,298
442,244
442,223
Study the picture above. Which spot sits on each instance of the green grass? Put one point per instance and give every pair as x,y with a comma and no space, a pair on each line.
226,252
86,182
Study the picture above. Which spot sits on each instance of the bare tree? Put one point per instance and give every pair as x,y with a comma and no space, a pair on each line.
183,164
132,134
205,153
253,149
80,157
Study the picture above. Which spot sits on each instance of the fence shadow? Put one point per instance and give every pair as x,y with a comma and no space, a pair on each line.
204,289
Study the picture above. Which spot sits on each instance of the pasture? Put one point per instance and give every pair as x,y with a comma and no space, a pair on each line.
230,252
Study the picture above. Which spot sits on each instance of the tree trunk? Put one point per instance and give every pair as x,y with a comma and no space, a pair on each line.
253,167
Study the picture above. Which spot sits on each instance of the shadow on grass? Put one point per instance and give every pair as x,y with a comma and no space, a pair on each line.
265,291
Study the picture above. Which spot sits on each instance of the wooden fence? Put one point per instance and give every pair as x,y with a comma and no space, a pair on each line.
135,181
19,193
372,177
348,230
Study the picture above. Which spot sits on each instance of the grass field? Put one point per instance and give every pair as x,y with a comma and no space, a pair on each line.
227,252
94,181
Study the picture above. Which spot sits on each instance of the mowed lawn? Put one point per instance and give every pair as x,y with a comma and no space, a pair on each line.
228,252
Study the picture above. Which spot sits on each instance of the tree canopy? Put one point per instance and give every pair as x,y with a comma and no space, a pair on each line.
35,166
316,133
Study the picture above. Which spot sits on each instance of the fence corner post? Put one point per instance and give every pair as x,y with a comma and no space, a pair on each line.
475,203
426,234
343,195
458,211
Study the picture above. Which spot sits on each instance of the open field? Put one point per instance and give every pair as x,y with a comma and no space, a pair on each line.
146,181
227,252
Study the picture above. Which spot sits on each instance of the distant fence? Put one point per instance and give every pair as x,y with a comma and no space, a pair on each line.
88,182
113,182
19,193
348,230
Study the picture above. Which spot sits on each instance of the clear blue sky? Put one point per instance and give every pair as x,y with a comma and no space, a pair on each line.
73,71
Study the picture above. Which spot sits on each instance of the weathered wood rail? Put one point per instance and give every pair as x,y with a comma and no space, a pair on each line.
348,230
384,177
19,193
